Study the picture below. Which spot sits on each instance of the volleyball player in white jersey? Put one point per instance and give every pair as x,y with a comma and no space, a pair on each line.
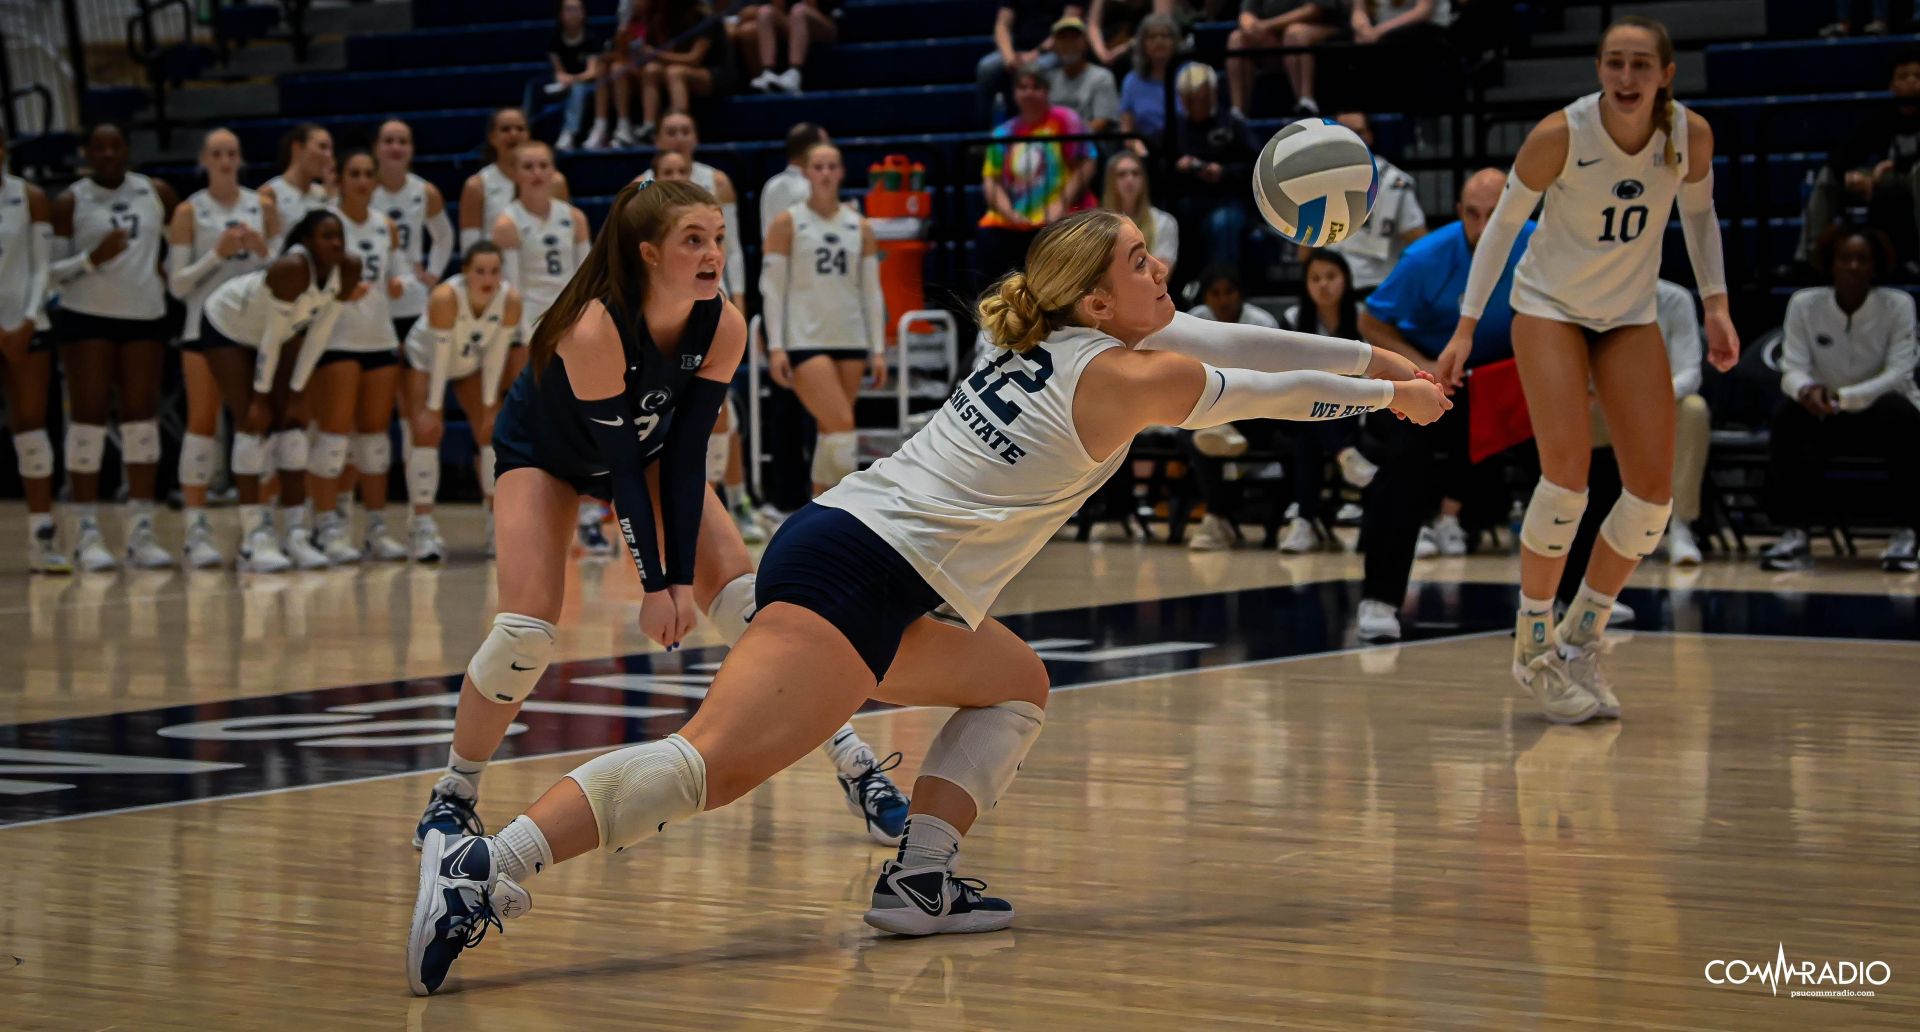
306,158
472,324
111,325
352,392
486,193
1611,165
543,239
825,316
849,586
679,133
219,233
419,212
262,334
26,358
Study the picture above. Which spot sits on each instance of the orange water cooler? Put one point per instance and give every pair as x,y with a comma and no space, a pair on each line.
900,209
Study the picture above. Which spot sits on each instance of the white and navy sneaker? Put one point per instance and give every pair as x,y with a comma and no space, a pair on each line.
299,548
380,545
449,813
90,548
260,551
1583,666
874,798
198,551
931,901
1900,555
335,541
427,546
462,893
593,540
1792,552
43,552
1549,679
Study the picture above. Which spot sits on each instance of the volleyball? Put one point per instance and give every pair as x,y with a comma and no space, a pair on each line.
1315,182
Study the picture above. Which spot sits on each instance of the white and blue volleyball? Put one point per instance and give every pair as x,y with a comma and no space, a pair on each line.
1315,182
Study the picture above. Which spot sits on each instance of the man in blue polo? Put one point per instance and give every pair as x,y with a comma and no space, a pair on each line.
1414,312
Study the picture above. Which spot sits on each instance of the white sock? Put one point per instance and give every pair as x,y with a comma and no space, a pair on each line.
468,770
251,516
1533,630
929,842
522,850
293,516
192,514
853,756
1586,618
139,511
36,520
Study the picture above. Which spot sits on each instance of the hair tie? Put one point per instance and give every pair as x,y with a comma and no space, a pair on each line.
644,183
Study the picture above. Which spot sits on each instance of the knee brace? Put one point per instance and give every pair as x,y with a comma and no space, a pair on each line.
196,460
637,791
140,442
733,608
423,475
329,458
290,451
717,450
249,455
35,451
1553,518
513,657
86,444
483,469
835,455
1634,525
981,749
372,453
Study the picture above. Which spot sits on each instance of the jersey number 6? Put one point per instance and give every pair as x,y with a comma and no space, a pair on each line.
1030,383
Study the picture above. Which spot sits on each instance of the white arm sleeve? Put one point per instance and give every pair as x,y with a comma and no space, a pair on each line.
773,299
493,362
42,255
1260,348
68,266
267,351
874,300
437,376
319,334
1700,227
510,266
185,272
1516,205
440,246
1232,394
736,273
470,237
582,248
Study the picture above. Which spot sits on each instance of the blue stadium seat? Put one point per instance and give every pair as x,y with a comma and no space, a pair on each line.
903,109
503,43
344,93
1804,122
447,13
1812,65
866,21
923,62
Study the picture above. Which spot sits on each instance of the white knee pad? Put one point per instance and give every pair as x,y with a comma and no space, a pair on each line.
329,457
196,460
35,451
290,451
835,456
1553,518
981,749
733,608
423,475
513,657
483,469
86,444
140,442
1634,525
637,791
717,450
249,455
372,453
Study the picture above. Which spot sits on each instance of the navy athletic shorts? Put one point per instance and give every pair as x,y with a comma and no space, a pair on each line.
826,561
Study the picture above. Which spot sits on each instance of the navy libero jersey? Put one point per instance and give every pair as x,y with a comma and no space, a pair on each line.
543,421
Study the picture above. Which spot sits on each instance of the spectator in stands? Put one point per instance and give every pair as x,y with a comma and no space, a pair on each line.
575,57
789,186
1028,185
1210,449
1413,313
1847,15
1328,306
1126,192
1215,151
1397,219
804,22
1878,166
1846,365
1113,25
1022,38
1143,95
1277,23
1075,83
1416,22
633,20
691,59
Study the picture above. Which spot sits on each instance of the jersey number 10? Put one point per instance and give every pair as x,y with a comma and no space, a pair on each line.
1633,222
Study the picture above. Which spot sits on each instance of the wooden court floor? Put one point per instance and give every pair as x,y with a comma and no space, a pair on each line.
1320,837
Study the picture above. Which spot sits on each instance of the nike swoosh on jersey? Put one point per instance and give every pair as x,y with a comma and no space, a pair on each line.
615,421
1584,164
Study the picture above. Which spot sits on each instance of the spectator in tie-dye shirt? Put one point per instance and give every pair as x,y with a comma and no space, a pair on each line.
1028,185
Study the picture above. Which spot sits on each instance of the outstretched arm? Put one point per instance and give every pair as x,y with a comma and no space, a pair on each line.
1269,350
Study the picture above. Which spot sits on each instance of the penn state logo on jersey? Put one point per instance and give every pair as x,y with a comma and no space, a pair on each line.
1629,189
1823,340
550,240
396,214
831,238
655,400
119,207
15,202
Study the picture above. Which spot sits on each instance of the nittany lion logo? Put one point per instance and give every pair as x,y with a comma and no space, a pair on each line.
395,214
831,238
1628,189
551,241
1824,340
653,400
120,206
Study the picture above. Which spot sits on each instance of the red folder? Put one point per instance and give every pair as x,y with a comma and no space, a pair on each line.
1497,415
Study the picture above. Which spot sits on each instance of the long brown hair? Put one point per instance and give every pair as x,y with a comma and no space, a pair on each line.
642,213
1663,108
